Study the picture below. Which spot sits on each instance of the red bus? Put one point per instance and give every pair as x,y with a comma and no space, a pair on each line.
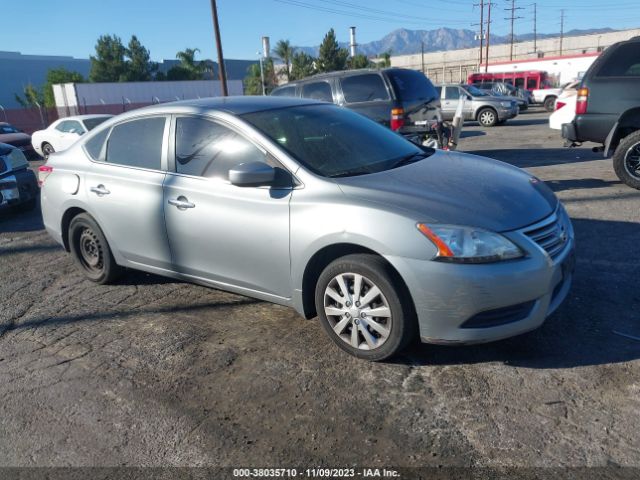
531,80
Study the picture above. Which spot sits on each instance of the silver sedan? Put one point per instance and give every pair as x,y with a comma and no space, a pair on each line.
312,206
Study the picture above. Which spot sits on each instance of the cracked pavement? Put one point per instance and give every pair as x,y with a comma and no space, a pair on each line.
154,372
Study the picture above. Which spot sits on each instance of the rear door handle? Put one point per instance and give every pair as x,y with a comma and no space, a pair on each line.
100,190
182,203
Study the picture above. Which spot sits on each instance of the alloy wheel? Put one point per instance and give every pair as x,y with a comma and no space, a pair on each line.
632,161
487,118
357,311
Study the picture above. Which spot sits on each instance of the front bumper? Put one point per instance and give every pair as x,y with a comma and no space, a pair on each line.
508,113
467,303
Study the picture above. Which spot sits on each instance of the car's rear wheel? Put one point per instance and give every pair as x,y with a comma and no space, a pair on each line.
626,160
487,117
549,104
47,149
364,307
91,251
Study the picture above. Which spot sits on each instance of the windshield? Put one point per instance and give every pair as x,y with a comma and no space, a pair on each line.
411,85
334,142
92,123
474,91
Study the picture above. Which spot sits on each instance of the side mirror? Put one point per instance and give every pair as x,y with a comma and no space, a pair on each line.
252,174
469,97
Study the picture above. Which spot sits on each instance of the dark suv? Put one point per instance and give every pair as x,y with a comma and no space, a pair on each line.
401,99
608,109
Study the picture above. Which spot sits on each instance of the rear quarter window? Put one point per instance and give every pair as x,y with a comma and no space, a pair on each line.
94,145
624,61
364,88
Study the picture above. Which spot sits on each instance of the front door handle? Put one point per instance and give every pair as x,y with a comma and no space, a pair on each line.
100,190
182,203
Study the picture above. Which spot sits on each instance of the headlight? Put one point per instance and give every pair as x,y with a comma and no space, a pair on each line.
469,244
506,104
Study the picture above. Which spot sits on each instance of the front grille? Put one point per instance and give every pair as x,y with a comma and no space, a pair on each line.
500,316
552,235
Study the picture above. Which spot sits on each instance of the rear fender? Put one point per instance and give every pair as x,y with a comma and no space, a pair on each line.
628,122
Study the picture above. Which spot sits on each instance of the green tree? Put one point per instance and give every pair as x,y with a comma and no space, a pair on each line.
56,76
359,61
285,52
386,59
189,68
109,63
302,65
331,57
32,97
253,80
139,67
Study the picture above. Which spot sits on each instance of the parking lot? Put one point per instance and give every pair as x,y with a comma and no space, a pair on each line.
155,372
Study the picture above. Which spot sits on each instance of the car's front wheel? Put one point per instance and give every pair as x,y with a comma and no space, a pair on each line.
364,307
626,160
91,251
47,150
487,117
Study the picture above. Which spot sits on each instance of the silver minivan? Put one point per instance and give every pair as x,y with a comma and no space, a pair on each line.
486,109
313,206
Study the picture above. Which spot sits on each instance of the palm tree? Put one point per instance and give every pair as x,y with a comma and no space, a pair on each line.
284,51
188,62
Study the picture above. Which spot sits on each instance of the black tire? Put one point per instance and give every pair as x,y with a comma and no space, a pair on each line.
91,251
47,149
487,117
549,104
403,322
626,160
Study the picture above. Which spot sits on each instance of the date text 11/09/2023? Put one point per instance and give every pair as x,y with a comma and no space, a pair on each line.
315,473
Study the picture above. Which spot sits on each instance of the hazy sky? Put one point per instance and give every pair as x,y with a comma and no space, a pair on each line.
71,27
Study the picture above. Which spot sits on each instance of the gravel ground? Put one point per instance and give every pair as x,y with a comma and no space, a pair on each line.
153,372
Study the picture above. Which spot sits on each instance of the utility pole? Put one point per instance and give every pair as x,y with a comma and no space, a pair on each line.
535,28
481,36
512,18
422,52
221,69
486,64
561,29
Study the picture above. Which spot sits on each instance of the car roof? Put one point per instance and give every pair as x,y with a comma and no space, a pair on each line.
86,117
344,73
237,105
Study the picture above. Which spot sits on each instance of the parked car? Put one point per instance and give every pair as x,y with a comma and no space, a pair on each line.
401,99
11,135
608,109
18,185
309,205
486,109
546,97
501,89
62,133
565,106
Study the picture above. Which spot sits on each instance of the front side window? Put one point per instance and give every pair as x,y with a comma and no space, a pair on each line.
363,88
452,93
285,92
74,127
137,143
62,126
318,91
205,148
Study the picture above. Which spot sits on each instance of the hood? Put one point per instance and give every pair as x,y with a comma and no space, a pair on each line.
18,139
458,189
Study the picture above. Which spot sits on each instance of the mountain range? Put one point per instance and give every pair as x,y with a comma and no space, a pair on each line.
404,41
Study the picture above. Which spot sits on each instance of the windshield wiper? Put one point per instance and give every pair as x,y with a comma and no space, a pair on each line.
348,174
414,157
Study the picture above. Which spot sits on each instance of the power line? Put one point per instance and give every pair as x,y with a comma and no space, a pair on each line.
512,18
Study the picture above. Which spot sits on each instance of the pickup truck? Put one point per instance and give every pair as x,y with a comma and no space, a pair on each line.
546,97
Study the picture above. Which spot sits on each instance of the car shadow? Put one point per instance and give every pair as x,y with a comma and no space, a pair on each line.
580,183
539,157
472,133
598,323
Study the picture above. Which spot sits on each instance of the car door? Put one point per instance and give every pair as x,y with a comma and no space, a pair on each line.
450,101
217,231
124,190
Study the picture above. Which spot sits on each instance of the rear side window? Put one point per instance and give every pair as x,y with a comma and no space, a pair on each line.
92,123
624,61
318,91
137,143
363,88
284,92
207,149
411,85
94,145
